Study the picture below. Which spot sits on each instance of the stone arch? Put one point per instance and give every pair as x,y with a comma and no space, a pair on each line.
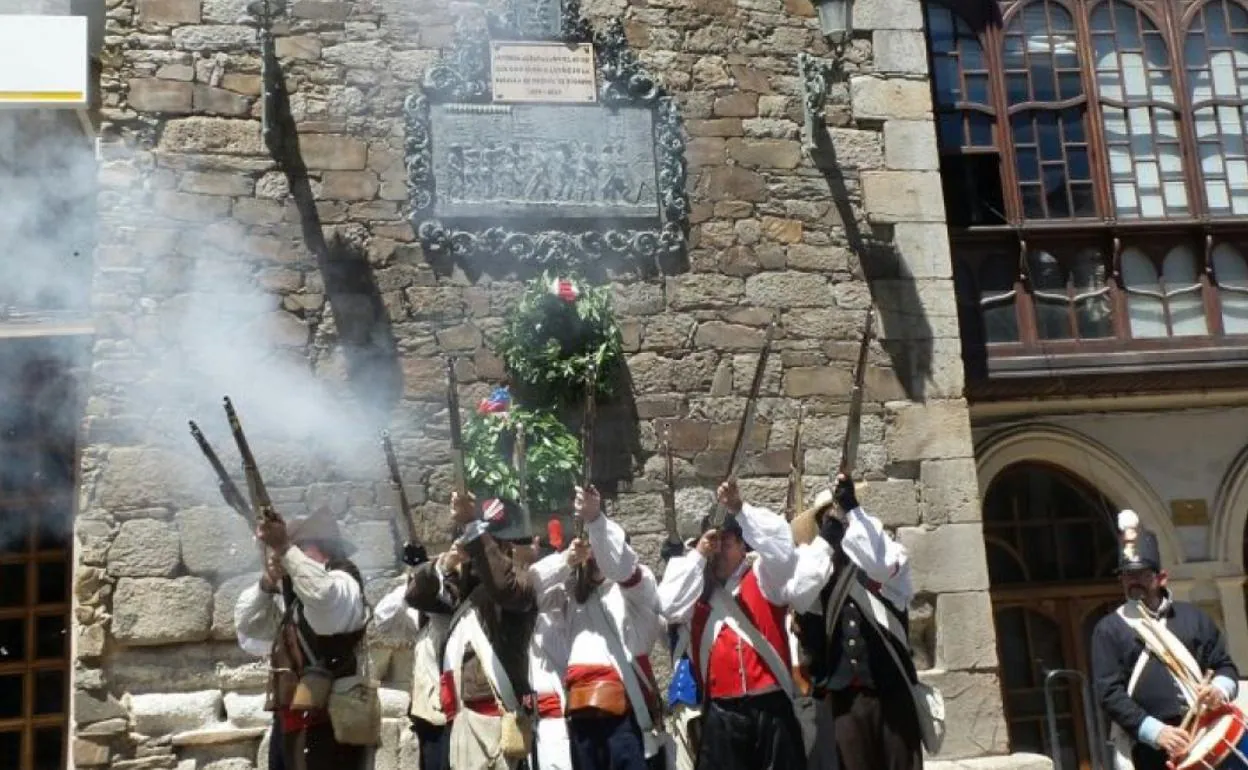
1230,513
1088,460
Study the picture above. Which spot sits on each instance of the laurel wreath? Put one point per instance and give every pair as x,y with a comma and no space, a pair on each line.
549,344
552,452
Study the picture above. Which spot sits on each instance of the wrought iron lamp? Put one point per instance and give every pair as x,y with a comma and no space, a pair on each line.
836,19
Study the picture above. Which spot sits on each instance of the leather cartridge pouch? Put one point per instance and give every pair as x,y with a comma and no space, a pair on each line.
516,741
599,699
355,711
312,691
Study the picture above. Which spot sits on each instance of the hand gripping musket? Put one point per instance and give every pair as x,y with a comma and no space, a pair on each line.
256,490
583,586
414,551
797,466
719,514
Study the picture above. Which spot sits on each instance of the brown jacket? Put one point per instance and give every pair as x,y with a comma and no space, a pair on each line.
505,600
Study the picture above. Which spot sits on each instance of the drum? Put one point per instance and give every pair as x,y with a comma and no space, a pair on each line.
1220,742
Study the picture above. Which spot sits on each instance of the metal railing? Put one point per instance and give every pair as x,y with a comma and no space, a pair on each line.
1099,745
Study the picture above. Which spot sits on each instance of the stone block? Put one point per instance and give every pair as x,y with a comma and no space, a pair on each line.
90,708
639,513
965,635
787,290
90,753
374,542
330,152
301,47
692,504
704,290
144,548
950,491
740,104
910,145
246,710
765,152
727,183
1006,762
212,135
722,336
224,600
974,717
903,196
803,381
874,97
936,430
217,541
224,11
214,37
948,558
914,309
152,611
133,478
822,259
903,51
923,248
216,183
154,95
219,101
186,207
365,54
169,11
895,502
887,14
856,148
158,714
782,230
349,185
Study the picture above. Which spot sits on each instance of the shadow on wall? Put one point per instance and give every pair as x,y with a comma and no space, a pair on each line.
904,333
373,369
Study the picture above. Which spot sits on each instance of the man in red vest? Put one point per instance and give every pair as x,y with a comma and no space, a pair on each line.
734,590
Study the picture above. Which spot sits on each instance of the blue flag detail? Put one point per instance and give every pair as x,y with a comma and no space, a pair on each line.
683,688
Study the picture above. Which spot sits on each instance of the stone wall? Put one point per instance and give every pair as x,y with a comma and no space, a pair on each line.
188,190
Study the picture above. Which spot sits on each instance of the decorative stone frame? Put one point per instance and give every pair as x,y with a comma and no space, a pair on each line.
1088,460
462,76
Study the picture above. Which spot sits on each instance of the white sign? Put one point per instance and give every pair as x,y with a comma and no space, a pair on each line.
43,61
543,72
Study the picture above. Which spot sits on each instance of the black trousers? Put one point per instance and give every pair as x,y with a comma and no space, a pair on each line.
275,745
873,736
1145,757
606,743
757,732
433,744
314,748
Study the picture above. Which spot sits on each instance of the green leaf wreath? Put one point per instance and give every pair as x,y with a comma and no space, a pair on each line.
556,331
553,455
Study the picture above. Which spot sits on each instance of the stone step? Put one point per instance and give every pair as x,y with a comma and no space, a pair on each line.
1003,762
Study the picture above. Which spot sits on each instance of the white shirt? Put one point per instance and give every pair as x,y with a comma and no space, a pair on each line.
333,603
881,558
394,617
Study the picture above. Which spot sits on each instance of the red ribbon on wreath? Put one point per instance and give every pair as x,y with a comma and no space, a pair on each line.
564,290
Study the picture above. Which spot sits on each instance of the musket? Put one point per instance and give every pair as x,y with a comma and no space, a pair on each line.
853,425
520,460
457,431
673,546
747,422
797,463
261,504
583,586
414,552
230,492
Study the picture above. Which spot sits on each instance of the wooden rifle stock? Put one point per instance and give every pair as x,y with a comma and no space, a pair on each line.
230,492
853,424
256,490
747,422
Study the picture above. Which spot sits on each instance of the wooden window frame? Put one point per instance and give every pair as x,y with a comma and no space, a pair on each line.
1031,356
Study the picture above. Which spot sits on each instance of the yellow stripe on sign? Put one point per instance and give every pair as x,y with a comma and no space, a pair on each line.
42,96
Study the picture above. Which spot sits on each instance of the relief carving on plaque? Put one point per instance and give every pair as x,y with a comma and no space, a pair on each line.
536,139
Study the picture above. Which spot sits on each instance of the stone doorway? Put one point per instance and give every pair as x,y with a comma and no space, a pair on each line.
1052,550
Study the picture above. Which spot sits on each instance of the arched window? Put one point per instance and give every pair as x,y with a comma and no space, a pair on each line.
1216,56
1167,302
1231,273
1139,113
1071,295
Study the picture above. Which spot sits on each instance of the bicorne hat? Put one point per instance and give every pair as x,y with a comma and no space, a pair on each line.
505,520
1138,546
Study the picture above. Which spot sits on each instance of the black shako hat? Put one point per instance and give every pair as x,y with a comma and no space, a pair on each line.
1138,546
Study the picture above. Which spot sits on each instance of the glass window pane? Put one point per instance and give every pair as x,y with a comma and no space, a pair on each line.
12,585
12,640
1145,309
53,582
1232,274
11,749
49,748
50,637
49,692
10,696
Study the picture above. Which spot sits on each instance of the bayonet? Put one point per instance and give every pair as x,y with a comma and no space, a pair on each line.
673,546
456,427
853,424
793,502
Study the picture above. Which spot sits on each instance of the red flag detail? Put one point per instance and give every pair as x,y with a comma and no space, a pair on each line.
554,533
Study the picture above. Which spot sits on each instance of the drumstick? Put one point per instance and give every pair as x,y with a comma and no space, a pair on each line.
1193,714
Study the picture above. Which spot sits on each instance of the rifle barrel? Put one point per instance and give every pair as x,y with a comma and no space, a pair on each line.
853,424
396,482
456,428
256,489
229,490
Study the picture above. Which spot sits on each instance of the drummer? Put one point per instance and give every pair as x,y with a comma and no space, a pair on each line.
1150,658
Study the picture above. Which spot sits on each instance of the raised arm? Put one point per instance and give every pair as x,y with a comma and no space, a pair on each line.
814,569
391,616
645,624
257,615
550,576
885,561
616,558
769,535
682,585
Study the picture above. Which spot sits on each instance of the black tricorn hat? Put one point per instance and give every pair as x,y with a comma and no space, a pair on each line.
505,519
1139,549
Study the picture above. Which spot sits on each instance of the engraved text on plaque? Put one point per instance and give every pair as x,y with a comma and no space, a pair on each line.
542,72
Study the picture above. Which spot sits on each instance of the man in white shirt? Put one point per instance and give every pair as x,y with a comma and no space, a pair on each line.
613,699
735,590
309,608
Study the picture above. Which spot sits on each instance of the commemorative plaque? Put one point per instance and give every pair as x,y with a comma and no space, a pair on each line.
534,139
